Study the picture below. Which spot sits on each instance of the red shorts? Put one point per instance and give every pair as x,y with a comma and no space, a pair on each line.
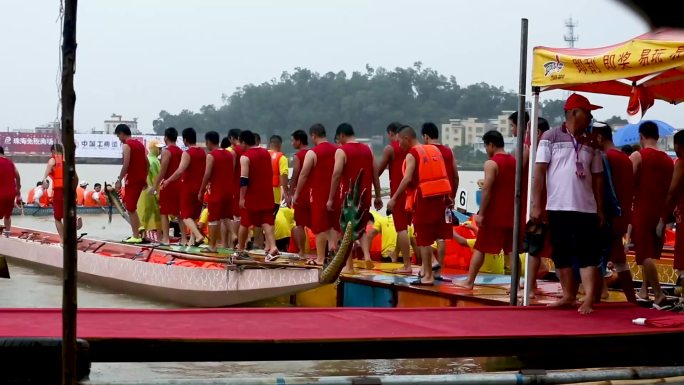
190,206
169,200
493,239
426,234
302,214
249,218
133,191
219,209
399,214
6,206
324,220
679,248
646,243
58,203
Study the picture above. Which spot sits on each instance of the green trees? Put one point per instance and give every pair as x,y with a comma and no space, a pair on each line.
368,100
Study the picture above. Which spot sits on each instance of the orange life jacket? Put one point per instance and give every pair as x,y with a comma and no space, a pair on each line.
31,196
275,166
57,173
80,199
45,200
432,175
89,201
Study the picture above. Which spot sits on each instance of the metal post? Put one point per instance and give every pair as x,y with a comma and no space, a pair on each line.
530,184
69,304
515,263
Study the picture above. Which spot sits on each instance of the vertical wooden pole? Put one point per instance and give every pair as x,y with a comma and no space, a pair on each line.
69,304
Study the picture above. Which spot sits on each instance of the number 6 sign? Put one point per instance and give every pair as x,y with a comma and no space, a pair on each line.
461,199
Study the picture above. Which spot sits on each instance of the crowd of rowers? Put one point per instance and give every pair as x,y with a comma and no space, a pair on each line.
588,196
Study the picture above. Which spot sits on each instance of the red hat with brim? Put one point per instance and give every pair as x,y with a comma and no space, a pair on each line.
579,101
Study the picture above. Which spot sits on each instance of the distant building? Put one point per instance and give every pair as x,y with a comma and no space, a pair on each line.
469,131
49,128
509,145
111,123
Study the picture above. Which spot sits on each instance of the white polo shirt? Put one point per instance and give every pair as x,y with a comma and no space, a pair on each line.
566,191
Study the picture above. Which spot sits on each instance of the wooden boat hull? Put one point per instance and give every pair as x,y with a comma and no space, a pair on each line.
113,266
32,210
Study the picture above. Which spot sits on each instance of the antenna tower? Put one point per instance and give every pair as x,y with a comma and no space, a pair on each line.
570,38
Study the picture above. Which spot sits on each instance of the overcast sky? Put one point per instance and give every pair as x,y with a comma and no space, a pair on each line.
137,57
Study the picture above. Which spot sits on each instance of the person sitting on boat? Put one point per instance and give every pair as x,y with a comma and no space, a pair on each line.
282,229
134,171
94,197
38,195
384,227
80,192
10,189
55,171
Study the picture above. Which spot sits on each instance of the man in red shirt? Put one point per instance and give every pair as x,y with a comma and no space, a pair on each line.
236,149
619,188
256,194
393,159
430,134
316,175
134,169
169,199
191,168
219,169
351,158
426,178
652,173
302,209
495,218
10,189
675,203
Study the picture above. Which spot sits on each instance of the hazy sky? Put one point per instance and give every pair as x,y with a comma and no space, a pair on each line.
137,57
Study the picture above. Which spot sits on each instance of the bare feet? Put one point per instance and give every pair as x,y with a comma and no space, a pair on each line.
604,292
368,264
463,284
585,308
403,270
346,270
563,302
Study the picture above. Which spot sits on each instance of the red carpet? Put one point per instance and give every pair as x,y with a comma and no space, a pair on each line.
282,324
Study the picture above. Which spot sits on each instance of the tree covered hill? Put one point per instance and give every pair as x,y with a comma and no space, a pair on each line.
369,101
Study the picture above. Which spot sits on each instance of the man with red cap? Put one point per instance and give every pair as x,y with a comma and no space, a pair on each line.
570,166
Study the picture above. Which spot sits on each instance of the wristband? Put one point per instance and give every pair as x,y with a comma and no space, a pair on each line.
244,181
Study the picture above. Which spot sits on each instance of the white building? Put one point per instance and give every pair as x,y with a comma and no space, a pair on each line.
509,145
469,131
111,123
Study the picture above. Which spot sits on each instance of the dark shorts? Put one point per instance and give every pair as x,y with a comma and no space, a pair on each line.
574,237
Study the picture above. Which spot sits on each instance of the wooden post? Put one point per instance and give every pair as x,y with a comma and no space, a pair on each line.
69,304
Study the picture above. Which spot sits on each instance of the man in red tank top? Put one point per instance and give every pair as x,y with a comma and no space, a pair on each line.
10,189
169,199
495,219
653,173
134,170
236,149
427,212
219,169
302,207
191,169
350,159
675,203
618,207
256,194
393,159
316,175
430,134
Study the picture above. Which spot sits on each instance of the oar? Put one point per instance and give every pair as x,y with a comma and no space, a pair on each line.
4,268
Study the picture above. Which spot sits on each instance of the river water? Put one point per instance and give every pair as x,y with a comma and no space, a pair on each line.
34,288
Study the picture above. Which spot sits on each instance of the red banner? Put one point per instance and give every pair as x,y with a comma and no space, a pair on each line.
20,143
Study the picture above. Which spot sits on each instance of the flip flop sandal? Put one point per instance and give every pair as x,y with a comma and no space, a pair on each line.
418,282
199,243
241,256
311,262
271,257
442,279
662,307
